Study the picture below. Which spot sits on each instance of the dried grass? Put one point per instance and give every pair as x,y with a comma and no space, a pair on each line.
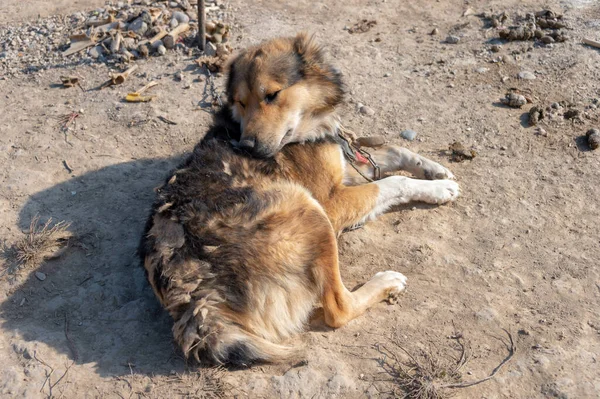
41,242
427,376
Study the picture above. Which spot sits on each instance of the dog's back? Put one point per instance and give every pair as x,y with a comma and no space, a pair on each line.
227,251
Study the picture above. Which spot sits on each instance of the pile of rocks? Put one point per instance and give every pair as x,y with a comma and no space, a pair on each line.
119,32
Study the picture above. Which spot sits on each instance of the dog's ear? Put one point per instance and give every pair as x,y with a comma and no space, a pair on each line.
230,70
308,50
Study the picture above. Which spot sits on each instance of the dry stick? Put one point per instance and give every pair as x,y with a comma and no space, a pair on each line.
62,376
48,375
592,43
511,352
201,25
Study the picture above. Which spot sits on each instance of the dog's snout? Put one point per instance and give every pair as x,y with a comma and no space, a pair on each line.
247,144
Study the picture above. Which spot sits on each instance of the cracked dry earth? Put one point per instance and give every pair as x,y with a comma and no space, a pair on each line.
519,250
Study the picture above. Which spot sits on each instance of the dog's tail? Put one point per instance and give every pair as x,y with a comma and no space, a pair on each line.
203,331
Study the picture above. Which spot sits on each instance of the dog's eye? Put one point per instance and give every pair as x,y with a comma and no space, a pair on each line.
269,98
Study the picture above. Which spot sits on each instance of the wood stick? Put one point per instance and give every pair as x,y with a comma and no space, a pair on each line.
100,23
154,38
201,25
170,39
115,45
592,43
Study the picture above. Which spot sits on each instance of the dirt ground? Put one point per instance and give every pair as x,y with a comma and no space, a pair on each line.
519,250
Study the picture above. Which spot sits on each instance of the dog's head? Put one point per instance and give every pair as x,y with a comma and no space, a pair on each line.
282,91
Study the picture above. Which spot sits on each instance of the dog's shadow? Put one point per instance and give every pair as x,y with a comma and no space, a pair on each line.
94,304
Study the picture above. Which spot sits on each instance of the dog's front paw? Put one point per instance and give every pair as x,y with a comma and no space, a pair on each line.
434,171
392,284
439,192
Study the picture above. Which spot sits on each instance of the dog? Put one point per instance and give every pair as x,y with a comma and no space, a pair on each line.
241,244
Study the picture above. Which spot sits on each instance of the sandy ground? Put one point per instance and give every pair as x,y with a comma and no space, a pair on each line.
519,251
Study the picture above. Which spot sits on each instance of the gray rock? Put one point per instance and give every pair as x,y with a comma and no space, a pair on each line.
173,24
496,48
408,134
40,276
526,75
481,70
210,50
181,17
157,44
452,39
138,26
366,110
96,52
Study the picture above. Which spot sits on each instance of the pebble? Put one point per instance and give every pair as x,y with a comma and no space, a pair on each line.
540,131
40,276
387,75
96,52
181,17
496,48
452,39
162,50
138,26
210,50
366,110
408,134
593,136
173,24
434,32
526,75
481,70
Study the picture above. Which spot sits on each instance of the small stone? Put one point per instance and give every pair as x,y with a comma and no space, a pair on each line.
173,24
157,44
505,79
173,4
526,75
40,276
408,134
162,50
540,131
593,136
178,76
387,75
481,70
366,110
138,26
181,17
434,32
547,39
210,50
96,52
495,48
452,39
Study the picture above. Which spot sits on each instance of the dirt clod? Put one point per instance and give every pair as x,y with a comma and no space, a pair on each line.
536,114
571,113
514,100
459,153
362,26
593,136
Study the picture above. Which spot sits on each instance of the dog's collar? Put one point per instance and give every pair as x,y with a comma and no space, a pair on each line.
354,154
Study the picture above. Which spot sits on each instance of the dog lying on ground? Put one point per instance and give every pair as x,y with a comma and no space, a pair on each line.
242,241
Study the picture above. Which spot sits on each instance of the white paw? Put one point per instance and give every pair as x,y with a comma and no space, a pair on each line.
434,171
441,192
392,284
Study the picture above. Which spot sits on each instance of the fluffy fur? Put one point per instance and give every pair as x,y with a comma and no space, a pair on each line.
241,244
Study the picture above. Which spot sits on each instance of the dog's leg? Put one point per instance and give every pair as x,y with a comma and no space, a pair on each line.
392,158
351,205
339,304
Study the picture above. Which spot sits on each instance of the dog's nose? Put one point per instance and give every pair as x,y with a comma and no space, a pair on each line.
247,144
